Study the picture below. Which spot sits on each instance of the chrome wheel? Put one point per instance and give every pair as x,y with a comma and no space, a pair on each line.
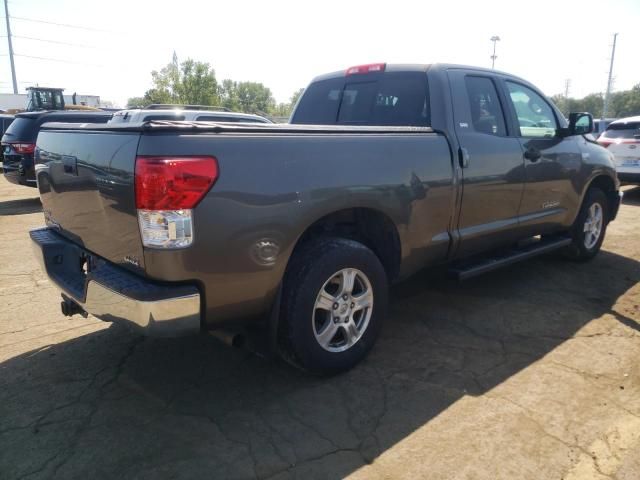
593,226
342,310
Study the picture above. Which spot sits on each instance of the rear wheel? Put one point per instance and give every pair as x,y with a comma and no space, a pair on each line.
334,298
590,226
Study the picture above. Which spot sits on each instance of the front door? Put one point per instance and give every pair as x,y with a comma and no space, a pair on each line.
493,166
552,162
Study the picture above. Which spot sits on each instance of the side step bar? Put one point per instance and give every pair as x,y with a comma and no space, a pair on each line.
466,271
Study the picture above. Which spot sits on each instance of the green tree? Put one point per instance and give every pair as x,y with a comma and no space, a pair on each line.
625,103
254,97
229,95
247,97
284,110
295,97
190,82
136,102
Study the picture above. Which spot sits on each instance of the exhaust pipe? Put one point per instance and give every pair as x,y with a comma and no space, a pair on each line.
232,339
70,308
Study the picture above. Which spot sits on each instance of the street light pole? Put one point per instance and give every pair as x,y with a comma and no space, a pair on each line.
494,39
13,67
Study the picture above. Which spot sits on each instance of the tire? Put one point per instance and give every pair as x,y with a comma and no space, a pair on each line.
586,244
325,326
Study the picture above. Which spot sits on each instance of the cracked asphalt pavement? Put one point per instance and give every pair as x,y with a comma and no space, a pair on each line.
532,372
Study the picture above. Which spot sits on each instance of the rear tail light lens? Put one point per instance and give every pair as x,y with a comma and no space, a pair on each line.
167,189
23,148
605,142
167,183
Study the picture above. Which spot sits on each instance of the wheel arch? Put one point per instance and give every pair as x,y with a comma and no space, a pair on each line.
609,186
371,227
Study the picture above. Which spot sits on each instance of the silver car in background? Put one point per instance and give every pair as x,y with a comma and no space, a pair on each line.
622,139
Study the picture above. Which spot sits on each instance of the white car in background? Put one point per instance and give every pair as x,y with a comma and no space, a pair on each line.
622,138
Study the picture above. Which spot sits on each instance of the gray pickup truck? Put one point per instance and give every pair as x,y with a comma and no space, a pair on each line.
184,227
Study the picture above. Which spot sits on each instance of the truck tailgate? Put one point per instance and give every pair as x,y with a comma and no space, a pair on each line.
86,183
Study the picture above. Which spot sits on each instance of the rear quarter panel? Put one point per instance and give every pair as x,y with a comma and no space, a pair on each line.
271,188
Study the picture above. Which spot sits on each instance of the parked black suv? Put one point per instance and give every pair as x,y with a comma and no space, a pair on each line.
19,140
5,121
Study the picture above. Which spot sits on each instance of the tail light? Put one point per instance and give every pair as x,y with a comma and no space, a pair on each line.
23,148
605,142
369,68
167,189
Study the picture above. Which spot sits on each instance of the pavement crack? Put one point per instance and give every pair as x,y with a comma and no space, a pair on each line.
311,460
86,422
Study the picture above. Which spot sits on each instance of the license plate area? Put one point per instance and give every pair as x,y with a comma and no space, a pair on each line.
69,266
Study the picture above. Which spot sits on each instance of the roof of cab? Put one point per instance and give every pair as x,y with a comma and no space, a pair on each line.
422,67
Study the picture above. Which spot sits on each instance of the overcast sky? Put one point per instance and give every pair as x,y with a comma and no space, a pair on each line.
284,44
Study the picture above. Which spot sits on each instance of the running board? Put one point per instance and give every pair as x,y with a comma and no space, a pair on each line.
484,265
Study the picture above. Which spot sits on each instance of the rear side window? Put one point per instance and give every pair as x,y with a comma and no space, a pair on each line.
22,129
628,130
391,98
486,112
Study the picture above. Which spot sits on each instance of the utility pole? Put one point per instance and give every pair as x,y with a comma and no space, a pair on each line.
494,39
13,66
567,84
609,81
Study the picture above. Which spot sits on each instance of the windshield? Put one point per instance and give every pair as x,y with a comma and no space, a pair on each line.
390,98
45,100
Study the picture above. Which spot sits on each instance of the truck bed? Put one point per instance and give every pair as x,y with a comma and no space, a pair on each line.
274,182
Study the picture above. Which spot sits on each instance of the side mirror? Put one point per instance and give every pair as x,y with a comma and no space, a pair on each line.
580,123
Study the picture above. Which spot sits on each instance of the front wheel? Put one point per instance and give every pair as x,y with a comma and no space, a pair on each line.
590,226
334,298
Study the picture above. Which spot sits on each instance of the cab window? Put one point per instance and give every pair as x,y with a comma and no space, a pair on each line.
389,98
486,112
535,116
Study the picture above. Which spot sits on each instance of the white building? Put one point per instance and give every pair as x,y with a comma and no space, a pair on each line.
19,100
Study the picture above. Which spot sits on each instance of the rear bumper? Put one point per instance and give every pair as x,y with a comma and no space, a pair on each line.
616,199
19,170
114,294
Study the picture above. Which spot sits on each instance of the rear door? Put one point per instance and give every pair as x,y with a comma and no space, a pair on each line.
551,162
491,157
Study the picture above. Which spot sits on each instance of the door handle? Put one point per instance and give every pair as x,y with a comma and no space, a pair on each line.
463,157
532,154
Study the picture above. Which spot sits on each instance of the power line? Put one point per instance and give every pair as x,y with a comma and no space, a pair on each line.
55,41
60,60
66,25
